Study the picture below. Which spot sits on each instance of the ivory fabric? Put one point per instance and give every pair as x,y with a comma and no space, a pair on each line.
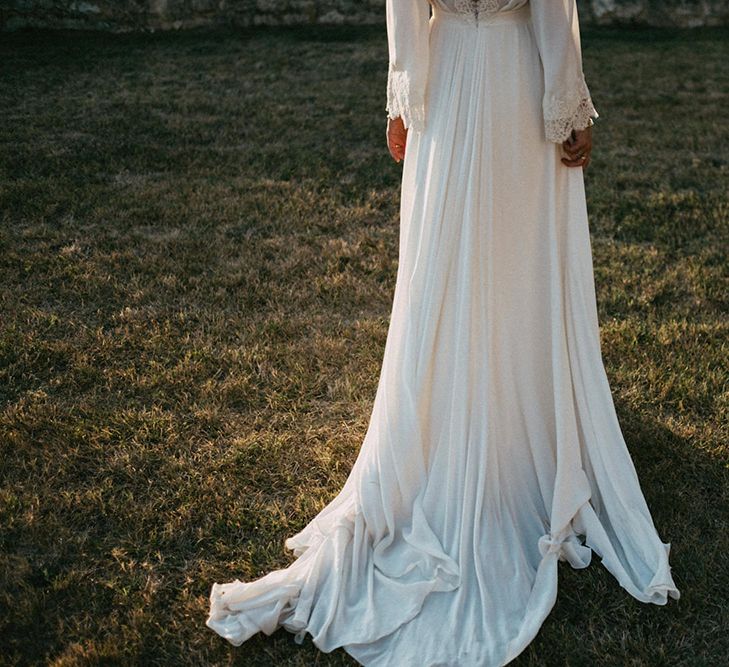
566,101
493,448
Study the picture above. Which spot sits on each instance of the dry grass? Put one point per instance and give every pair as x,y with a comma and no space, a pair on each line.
197,257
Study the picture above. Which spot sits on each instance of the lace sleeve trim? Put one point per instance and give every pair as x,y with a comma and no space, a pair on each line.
402,101
562,115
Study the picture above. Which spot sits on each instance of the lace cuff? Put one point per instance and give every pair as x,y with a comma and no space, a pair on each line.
403,102
562,115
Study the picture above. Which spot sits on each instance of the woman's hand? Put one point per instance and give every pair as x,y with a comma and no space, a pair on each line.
578,148
397,137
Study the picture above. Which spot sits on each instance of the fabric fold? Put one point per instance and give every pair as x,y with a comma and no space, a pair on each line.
332,588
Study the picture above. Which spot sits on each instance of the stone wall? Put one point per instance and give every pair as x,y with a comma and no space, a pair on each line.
128,15
677,13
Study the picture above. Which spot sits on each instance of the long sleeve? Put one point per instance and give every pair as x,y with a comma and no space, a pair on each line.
567,104
408,45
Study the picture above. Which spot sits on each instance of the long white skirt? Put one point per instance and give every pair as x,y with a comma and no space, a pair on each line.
493,448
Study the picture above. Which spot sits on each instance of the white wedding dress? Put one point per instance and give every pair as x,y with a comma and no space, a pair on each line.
493,448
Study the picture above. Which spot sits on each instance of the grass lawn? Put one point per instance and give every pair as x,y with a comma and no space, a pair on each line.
198,250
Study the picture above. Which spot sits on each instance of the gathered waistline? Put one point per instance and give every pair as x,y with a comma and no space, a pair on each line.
518,15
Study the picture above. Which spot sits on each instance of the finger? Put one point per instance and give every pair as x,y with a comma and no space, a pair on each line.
390,146
396,142
583,149
397,150
578,156
573,157
572,149
578,148
394,152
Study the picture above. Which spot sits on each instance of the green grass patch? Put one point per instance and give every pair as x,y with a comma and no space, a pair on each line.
198,250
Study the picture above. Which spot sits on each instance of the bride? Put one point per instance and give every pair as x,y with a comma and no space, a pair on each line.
493,449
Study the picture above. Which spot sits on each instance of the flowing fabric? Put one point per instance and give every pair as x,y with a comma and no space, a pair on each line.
493,448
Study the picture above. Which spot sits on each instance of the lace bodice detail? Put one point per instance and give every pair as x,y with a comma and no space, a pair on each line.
476,8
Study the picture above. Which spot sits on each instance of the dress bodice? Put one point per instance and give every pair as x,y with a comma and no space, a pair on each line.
476,9
566,104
